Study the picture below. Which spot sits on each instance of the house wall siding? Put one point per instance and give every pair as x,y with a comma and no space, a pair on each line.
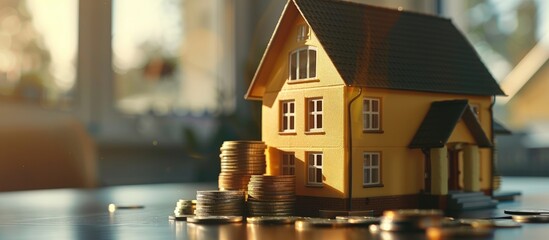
402,113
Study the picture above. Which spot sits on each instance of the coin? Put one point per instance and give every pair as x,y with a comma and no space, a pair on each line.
364,219
531,218
214,219
327,223
458,233
410,220
273,219
526,211
490,223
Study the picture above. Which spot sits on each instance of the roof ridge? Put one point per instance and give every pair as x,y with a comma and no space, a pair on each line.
404,11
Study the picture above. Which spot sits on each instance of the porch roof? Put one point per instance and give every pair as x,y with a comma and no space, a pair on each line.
440,122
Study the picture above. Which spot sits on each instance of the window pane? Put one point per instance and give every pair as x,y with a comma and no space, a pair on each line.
292,123
367,176
375,176
292,171
366,105
375,121
319,175
319,160
292,160
293,66
375,106
312,63
319,121
292,107
38,46
284,171
367,160
284,107
319,105
285,160
367,124
375,160
302,64
311,175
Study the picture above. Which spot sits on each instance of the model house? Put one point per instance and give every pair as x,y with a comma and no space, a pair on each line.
374,108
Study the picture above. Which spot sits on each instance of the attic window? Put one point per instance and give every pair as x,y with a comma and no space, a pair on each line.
303,63
302,32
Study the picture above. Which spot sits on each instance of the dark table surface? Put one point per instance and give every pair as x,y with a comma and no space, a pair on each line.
82,214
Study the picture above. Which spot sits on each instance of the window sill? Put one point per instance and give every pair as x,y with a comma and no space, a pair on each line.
376,185
287,133
307,80
317,185
315,133
373,131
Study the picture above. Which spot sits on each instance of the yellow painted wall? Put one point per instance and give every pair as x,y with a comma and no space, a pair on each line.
402,114
329,86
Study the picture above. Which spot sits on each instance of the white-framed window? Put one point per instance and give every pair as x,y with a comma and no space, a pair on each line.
371,114
303,63
315,115
314,173
371,168
287,116
302,32
288,163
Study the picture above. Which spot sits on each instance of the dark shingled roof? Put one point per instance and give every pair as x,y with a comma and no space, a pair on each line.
440,121
384,48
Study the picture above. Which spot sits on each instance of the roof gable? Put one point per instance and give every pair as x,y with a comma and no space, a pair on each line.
440,122
384,48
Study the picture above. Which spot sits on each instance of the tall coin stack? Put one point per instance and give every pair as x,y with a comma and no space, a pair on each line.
219,203
271,195
240,160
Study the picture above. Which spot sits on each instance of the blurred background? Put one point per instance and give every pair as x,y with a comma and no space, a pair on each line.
112,92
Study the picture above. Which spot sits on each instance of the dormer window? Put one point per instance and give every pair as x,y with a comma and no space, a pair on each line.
302,32
303,63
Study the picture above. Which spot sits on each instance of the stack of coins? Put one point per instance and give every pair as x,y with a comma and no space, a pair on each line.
408,220
219,203
271,195
240,160
184,207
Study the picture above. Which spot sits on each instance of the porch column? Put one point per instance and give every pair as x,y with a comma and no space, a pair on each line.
471,168
439,171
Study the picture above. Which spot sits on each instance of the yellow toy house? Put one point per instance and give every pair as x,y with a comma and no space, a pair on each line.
374,108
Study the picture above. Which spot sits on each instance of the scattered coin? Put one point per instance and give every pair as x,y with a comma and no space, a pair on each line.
459,233
531,218
328,223
214,219
490,223
526,211
273,220
408,220
360,219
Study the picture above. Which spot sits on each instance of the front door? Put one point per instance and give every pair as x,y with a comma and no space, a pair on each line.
453,170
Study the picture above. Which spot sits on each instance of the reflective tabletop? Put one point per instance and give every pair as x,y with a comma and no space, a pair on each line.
83,214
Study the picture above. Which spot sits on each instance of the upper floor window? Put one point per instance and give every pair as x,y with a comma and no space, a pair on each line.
371,114
287,117
371,168
302,32
303,63
288,163
314,116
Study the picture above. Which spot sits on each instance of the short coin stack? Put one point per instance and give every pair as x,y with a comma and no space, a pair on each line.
239,160
184,207
271,195
219,203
